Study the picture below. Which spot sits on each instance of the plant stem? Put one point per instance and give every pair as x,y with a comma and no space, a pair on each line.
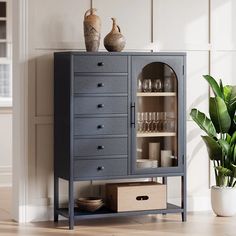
234,184
216,176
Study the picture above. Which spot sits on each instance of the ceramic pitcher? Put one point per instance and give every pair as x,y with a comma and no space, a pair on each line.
114,41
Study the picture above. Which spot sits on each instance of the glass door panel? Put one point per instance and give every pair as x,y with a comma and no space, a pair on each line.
156,116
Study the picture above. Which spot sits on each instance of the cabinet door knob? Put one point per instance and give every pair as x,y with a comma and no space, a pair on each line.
100,63
100,126
101,105
100,168
101,147
100,85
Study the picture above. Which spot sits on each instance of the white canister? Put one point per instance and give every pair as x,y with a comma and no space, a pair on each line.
154,151
166,158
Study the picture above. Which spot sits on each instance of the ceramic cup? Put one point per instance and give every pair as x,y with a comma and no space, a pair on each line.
166,158
154,151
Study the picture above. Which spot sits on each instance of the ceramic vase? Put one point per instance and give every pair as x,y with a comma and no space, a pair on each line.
92,30
114,41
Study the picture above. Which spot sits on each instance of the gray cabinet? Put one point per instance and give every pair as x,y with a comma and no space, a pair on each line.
118,115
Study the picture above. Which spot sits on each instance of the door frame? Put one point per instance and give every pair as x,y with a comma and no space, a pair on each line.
176,64
20,110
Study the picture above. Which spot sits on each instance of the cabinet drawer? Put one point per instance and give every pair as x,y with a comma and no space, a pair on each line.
100,168
100,147
100,84
100,105
100,63
100,126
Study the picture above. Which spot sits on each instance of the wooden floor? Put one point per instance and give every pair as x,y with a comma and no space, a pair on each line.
198,224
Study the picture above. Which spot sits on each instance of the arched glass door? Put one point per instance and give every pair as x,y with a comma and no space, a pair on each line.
156,118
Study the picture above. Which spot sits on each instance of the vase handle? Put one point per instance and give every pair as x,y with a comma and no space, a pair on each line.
118,27
91,11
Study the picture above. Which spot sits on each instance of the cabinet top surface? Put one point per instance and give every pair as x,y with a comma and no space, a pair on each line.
123,53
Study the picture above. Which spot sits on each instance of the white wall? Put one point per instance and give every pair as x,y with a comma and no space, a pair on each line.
207,35
5,147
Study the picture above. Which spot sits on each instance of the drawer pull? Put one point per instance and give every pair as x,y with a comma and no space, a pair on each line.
100,85
100,126
100,63
101,105
100,147
100,168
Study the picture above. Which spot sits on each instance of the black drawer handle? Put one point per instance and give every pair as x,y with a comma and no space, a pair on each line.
101,105
100,85
100,63
100,147
100,126
100,168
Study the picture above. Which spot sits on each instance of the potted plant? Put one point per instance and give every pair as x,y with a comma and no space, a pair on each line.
220,140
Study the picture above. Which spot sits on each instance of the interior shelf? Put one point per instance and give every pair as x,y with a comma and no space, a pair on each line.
159,134
105,212
160,94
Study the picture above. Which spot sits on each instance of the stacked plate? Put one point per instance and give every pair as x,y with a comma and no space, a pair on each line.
89,203
146,163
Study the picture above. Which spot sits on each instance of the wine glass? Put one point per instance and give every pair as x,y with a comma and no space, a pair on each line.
168,84
158,122
139,85
147,85
157,85
149,121
140,121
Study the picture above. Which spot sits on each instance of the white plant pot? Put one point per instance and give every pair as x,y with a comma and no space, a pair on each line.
223,200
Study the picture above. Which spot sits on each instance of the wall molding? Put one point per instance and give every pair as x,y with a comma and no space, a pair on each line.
5,176
20,110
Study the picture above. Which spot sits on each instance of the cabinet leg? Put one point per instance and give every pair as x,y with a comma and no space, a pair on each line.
184,198
164,181
56,195
71,204
184,216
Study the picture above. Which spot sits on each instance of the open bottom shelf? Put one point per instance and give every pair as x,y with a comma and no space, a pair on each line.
105,212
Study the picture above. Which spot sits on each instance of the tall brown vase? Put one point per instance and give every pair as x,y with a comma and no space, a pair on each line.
114,41
92,30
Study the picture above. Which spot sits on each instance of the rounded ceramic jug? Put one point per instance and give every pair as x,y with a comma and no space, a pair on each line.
114,41
92,30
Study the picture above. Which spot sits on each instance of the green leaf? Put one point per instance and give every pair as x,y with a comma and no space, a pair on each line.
233,139
234,170
224,171
228,138
222,88
231,153
214,85
219,115
225,146
203,122
234,154
213,148
230,99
